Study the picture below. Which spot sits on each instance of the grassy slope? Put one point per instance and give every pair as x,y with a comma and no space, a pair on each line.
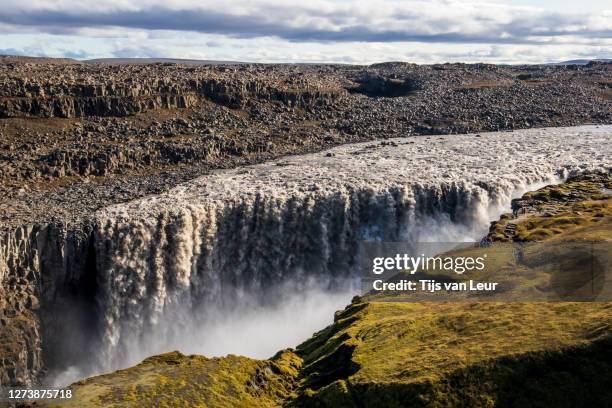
176,380
441,354
580,209
415,354
474,353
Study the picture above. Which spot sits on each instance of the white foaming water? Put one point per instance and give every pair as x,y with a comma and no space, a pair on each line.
251,328
255,259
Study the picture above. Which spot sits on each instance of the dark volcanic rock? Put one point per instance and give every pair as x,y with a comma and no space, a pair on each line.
119,118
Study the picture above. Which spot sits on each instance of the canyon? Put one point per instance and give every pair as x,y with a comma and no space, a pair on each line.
136,200
148,268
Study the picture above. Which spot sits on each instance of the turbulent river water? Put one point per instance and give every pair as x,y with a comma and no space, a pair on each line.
255,259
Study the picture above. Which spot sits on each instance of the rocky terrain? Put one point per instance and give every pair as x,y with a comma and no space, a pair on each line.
390,352
176,143
95,134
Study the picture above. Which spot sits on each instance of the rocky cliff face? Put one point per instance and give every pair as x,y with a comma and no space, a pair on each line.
46,287
80,90
20,351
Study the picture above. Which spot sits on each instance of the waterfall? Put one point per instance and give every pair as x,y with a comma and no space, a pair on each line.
196,257
237,236
259,250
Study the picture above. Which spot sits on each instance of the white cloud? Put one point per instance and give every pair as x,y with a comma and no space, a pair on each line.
317,31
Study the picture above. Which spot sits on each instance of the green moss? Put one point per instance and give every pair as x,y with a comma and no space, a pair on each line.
581,205
176,380
417,354
573,220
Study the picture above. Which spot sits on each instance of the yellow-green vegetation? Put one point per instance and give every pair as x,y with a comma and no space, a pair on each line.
580,209
382,351
175,380
593,217
396,354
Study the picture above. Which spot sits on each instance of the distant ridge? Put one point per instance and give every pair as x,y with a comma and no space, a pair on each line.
181,61
582,61
130,61
4,59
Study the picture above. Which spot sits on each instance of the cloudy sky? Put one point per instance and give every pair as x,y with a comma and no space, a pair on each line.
501,31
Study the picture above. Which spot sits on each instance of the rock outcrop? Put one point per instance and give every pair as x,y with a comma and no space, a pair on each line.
80,90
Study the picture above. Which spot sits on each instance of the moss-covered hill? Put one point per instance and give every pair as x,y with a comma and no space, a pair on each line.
176,380
431,354
447,354
579,209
